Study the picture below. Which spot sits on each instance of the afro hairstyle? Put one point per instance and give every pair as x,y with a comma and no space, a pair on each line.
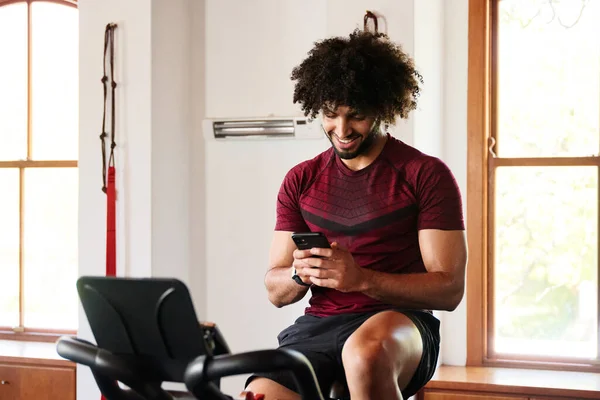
365,71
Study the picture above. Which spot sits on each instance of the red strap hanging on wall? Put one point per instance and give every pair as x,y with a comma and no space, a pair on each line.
108,167
111,228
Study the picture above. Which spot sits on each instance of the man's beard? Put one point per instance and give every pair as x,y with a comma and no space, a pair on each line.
364,145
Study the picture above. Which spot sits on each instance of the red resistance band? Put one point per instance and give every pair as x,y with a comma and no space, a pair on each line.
111,228
108,168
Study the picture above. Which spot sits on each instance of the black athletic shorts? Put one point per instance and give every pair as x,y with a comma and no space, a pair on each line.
321,340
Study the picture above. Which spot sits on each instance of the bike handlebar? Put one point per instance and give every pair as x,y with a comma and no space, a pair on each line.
199,373
203,370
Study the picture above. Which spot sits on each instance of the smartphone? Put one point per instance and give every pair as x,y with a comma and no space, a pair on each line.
308,240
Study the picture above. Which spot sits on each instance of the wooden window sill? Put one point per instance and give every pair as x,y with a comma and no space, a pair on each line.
31,353
50,337
528,382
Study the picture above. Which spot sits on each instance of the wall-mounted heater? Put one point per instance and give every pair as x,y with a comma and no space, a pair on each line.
263,128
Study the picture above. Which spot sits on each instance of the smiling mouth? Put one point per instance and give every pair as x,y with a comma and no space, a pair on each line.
346,141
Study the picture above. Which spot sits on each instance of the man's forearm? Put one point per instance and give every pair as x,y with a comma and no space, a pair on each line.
429,290
281,287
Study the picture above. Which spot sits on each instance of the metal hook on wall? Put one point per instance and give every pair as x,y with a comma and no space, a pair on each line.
370,15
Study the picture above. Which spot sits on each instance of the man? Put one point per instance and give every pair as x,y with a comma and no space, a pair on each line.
393,216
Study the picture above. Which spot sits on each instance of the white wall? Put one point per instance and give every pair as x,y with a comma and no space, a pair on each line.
183,209
454,128
197,174
251,47
428,134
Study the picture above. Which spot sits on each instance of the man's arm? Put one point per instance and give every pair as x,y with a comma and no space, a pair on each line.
440,288
281,288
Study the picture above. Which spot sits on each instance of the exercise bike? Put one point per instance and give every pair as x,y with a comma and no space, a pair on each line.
147,333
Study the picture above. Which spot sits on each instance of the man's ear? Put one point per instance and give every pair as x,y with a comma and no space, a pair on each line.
377,126
382,126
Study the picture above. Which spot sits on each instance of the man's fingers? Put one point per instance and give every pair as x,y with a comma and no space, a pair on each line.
299,264
316,262
321,252
314,252
300,254
338,246
328,283
315,272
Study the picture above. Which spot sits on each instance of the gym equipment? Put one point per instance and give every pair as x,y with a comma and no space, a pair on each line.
147,333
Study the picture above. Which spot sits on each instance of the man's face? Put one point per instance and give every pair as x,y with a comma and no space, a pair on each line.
350,132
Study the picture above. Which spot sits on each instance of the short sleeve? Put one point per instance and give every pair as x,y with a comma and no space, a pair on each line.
289,215
438,197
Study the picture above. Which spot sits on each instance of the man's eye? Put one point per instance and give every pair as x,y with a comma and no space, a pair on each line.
359,117
329,115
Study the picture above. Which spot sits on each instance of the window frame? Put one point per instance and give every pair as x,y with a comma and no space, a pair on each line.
20,332
481,118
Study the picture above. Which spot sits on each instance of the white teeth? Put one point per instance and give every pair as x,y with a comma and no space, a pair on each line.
346,141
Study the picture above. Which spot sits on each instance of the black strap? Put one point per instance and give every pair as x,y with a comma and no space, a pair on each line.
370,15
109,45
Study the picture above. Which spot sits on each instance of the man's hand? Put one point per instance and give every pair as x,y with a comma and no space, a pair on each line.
335,269
301,264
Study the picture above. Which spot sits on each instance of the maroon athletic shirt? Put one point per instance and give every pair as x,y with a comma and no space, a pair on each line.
376,213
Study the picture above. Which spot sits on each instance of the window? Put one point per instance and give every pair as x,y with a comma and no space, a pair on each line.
38,167
534,144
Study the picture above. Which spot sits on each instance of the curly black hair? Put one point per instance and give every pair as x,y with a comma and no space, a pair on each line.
366,71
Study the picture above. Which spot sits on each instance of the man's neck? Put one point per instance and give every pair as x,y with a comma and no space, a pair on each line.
365,159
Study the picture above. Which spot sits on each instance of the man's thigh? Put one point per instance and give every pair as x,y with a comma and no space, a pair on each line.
388,340
415,339
321,340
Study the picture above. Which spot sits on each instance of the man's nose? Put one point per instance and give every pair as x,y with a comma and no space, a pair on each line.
342,128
